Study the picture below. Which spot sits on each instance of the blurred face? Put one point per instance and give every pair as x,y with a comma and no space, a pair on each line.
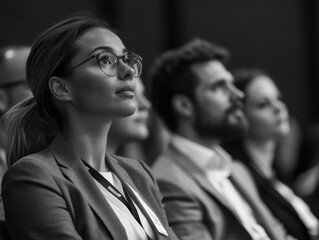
12,72
93,92
218,106
134,127
266,113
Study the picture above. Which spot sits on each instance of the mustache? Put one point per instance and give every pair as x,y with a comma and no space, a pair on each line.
236,105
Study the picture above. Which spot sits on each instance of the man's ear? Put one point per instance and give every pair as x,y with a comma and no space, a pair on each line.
60,88
182,105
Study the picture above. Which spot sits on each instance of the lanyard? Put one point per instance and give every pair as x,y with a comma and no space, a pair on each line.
116,193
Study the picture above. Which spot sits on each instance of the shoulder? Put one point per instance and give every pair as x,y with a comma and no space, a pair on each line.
38,165
134,167
175,177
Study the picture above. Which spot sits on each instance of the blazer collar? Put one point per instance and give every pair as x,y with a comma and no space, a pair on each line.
127,185
197,173
261,212
74,170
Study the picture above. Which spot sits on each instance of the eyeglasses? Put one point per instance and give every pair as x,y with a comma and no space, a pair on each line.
109,62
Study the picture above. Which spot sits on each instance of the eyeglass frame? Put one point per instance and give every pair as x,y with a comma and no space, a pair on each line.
118,61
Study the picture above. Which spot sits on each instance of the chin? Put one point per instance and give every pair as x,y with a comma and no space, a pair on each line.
127,111
141,133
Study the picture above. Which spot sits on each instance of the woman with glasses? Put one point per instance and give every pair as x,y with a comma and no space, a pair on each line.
61,183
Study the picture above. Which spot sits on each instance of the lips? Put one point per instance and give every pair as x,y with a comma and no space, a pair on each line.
127,90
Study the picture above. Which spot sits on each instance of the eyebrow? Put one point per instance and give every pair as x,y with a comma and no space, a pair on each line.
107,48
218,82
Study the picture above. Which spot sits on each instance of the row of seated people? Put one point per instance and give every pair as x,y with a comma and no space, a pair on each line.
211,176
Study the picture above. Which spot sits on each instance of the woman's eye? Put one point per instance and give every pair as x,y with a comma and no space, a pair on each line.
104,60
263,104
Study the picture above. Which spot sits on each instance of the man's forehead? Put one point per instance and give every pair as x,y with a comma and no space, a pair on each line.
213,70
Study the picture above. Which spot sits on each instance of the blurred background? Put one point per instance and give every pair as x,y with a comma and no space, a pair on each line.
279,36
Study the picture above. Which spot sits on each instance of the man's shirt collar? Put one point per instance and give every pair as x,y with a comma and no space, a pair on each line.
209,160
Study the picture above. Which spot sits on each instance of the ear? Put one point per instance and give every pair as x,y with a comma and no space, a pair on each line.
182,105
60,88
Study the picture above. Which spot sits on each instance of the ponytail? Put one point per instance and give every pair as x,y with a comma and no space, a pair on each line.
29,129
32,124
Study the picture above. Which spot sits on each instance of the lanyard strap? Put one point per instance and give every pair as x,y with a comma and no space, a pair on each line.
116,193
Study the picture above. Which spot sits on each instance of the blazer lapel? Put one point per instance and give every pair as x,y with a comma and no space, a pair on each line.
74,170
127,184
268,187
197,174
262,214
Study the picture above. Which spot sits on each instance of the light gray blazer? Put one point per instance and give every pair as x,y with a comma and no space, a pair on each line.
194,208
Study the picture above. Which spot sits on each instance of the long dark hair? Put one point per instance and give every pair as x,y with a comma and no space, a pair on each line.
32,124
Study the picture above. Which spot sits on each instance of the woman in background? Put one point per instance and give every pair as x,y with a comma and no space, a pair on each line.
61,182
268,121
126,133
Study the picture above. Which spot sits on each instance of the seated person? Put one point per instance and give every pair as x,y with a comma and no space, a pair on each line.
207,195
268,120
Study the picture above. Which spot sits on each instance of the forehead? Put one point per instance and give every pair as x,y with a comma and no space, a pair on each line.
212,71
97,38
260,87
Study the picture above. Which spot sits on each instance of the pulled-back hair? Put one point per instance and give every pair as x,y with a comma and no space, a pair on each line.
32,124
244,76
172,74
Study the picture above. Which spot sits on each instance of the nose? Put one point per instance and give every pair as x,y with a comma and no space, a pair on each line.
235,92
279,106
125,72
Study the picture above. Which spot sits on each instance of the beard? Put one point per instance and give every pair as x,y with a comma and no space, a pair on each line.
233,125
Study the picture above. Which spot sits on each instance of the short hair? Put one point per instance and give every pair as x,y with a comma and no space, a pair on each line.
172,74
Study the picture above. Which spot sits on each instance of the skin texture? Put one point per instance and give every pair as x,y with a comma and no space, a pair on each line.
134,127
89,100
94,92
266,112
217,109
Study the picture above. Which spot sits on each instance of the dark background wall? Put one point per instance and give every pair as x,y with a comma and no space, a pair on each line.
279,36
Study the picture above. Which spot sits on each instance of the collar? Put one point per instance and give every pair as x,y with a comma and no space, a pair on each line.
210,160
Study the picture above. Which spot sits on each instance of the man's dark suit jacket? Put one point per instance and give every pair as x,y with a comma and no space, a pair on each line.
193,207
279,206
51,195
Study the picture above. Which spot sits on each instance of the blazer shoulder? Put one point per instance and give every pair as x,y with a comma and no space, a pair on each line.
31,164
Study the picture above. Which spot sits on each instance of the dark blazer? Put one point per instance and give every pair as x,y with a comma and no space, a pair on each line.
279,206
50,195
196,211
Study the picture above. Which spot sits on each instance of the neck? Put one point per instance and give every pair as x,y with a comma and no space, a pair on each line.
113,146
89,141
262,153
